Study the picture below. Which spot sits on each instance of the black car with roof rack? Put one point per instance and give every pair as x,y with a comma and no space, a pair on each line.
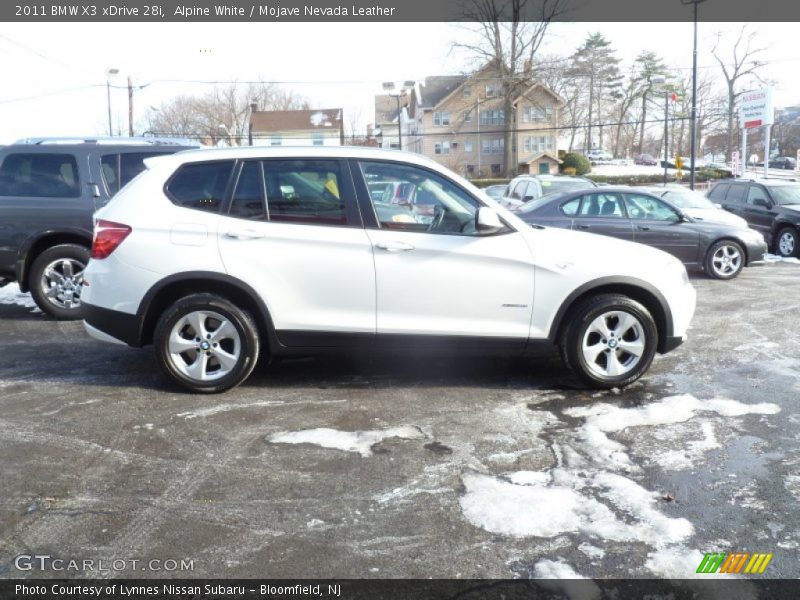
49,190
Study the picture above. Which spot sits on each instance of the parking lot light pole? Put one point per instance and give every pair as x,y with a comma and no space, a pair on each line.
109,74
666,134
693,124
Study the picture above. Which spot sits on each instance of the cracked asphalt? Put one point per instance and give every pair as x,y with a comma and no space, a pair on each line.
102,460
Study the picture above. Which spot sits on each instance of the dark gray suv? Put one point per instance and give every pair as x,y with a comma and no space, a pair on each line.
770,206
49,190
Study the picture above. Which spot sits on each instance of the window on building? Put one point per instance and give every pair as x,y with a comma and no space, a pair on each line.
496,169
468,145
441,118
466,90
532,114
493,117
318,139
493,90
441,148
467,116
276,140
492,146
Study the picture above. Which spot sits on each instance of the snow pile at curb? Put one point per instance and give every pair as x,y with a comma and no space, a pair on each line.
10,294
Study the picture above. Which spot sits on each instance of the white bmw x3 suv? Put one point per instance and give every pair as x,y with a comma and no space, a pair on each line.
218,256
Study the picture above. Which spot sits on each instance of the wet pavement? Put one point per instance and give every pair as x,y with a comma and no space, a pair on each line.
409,467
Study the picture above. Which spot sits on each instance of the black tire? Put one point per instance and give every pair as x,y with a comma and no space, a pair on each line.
53,294
581,318
175,365
724,260
789,245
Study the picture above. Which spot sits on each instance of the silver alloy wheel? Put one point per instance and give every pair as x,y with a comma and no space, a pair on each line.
204,345
613,343
726,260
786,244
62,281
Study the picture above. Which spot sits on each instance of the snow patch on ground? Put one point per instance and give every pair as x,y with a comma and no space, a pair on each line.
555,569
677,460
559,503
773,258
792,484
349,441
220,408
10,294
674,563
593,552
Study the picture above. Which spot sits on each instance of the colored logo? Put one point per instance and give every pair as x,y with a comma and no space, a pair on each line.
734,562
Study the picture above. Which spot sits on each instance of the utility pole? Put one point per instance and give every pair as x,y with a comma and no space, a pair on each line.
130,107
666,134
693,127
109,74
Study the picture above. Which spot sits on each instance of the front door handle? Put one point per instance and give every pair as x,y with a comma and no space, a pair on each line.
643,228
582,226
247,234
394,246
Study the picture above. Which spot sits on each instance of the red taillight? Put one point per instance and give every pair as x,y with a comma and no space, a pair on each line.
107,236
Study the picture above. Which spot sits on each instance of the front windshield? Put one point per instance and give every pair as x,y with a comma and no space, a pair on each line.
688,199
786,194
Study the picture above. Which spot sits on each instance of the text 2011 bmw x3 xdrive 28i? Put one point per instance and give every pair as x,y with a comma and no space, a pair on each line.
217,256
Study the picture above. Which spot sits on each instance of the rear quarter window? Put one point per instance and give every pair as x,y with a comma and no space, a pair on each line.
40,175
200,186
718,191
736,193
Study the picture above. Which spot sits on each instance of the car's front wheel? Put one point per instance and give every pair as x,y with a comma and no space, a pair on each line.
787,242
724,260
206,344
610,340
56,280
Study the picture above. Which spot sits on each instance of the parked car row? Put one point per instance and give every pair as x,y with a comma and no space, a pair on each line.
217,257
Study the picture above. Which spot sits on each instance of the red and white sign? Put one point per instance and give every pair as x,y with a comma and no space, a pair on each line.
797,162
755,109
735,162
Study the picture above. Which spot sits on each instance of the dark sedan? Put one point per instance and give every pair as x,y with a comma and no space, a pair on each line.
720,250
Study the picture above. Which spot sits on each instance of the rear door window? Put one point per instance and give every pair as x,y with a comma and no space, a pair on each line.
736,193
40,175
200,186
119,169
305,191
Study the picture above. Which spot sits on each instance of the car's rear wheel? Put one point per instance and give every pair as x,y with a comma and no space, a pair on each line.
724,260
787,242
610,340
206,344
56,280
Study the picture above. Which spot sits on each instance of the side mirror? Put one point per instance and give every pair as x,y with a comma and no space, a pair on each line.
762,202
487,221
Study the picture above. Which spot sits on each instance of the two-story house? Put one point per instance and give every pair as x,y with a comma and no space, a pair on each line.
319,127
395,121
463,124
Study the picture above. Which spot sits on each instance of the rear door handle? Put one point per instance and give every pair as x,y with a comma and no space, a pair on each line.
582,226
394,246
643,228
247,234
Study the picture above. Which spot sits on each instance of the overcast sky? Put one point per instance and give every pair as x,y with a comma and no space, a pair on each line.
52,75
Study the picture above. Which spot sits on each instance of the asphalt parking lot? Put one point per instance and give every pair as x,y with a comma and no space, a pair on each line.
410,467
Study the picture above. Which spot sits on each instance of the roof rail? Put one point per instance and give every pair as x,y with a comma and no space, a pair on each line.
104,140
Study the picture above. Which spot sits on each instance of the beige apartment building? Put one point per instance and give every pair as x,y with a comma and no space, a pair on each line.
461,124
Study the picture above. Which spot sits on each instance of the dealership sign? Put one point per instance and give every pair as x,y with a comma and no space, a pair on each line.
755,109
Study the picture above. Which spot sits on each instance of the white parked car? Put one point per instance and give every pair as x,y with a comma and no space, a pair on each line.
219,256
598,155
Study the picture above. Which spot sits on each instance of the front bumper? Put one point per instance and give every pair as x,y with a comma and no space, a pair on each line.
755,251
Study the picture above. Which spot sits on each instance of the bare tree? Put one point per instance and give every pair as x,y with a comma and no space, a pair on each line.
742,66
221,114
554,73
510,33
